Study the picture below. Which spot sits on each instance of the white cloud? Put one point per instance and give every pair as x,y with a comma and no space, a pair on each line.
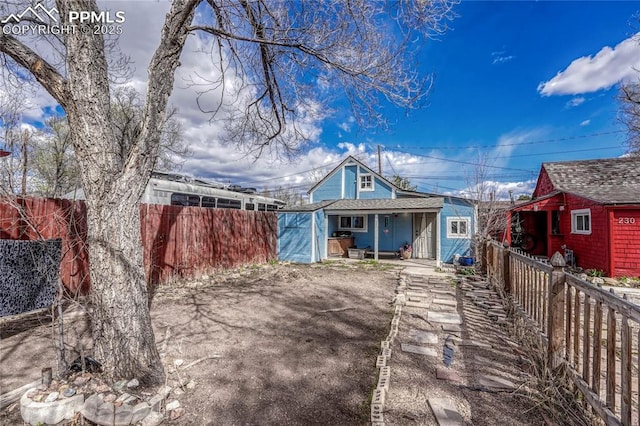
575,102
592,73
585,123
346,125
500,57
503,191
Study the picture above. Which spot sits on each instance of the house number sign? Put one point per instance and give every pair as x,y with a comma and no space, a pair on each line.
626,220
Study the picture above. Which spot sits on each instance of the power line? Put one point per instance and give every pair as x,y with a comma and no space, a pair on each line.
563,139
560,152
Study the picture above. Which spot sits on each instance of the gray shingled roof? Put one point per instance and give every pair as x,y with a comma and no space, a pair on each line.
308,207
607,181
397,204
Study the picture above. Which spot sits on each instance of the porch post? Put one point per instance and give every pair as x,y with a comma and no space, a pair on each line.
375,236
438,231
326,236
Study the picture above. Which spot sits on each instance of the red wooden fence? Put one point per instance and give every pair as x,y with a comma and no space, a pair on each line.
178,241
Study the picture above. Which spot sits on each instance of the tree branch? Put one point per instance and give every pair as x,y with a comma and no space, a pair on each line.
143,155
46,74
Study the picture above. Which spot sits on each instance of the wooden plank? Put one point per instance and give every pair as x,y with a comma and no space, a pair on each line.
597,347
576,330
609,298
536,296
531,261
625,371
611,359
545,293
569,318
586,344
604,412
9,398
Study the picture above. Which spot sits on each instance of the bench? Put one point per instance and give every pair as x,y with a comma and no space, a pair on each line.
381,253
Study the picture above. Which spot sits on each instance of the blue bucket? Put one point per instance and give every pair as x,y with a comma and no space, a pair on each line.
466,261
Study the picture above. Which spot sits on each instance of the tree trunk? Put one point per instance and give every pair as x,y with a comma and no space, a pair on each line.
121,322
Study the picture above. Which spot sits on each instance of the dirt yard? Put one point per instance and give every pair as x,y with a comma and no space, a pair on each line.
276,344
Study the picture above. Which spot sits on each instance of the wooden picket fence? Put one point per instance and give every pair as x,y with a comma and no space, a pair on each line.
177,241
595,333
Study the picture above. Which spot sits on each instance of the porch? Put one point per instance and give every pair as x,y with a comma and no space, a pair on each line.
381,234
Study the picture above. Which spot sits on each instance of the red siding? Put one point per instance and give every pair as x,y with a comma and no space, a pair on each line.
625,245
178,241
592,250
544,185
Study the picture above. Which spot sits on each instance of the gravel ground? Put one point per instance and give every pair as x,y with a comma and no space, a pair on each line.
292,344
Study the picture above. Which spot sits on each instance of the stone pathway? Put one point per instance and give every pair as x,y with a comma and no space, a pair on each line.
446,353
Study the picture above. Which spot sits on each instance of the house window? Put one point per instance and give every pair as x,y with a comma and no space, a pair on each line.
353,223
178,199
366,182
581,221
458,227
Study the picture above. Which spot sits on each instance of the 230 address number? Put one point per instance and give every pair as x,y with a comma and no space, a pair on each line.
626,220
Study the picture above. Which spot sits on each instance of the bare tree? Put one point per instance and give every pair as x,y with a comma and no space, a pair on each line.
127,110
279,51
491,213
13,140
402,183
54,165
629,99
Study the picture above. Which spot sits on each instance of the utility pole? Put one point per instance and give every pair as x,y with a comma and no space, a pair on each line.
379,162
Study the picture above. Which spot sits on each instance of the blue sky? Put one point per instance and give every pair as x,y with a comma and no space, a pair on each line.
516,84
488,73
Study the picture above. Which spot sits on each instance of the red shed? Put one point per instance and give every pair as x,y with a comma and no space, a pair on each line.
589,210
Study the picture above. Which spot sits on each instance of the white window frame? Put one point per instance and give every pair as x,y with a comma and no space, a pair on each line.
574,221
459,219
361,181
351,228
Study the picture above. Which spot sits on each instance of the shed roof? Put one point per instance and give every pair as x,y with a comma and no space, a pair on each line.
307,207
607,181
397,204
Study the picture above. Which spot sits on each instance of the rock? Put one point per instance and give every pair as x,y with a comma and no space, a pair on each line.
134,383
52,397
119,385
102,388
140,411
110,397
164,391
191,384
69,392
176,413
153,419
37,398
81,380
123,415
178,391
597,280
173,405
54,412
178,362
123,397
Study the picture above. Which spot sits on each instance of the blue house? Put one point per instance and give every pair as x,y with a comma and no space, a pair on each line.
355,207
